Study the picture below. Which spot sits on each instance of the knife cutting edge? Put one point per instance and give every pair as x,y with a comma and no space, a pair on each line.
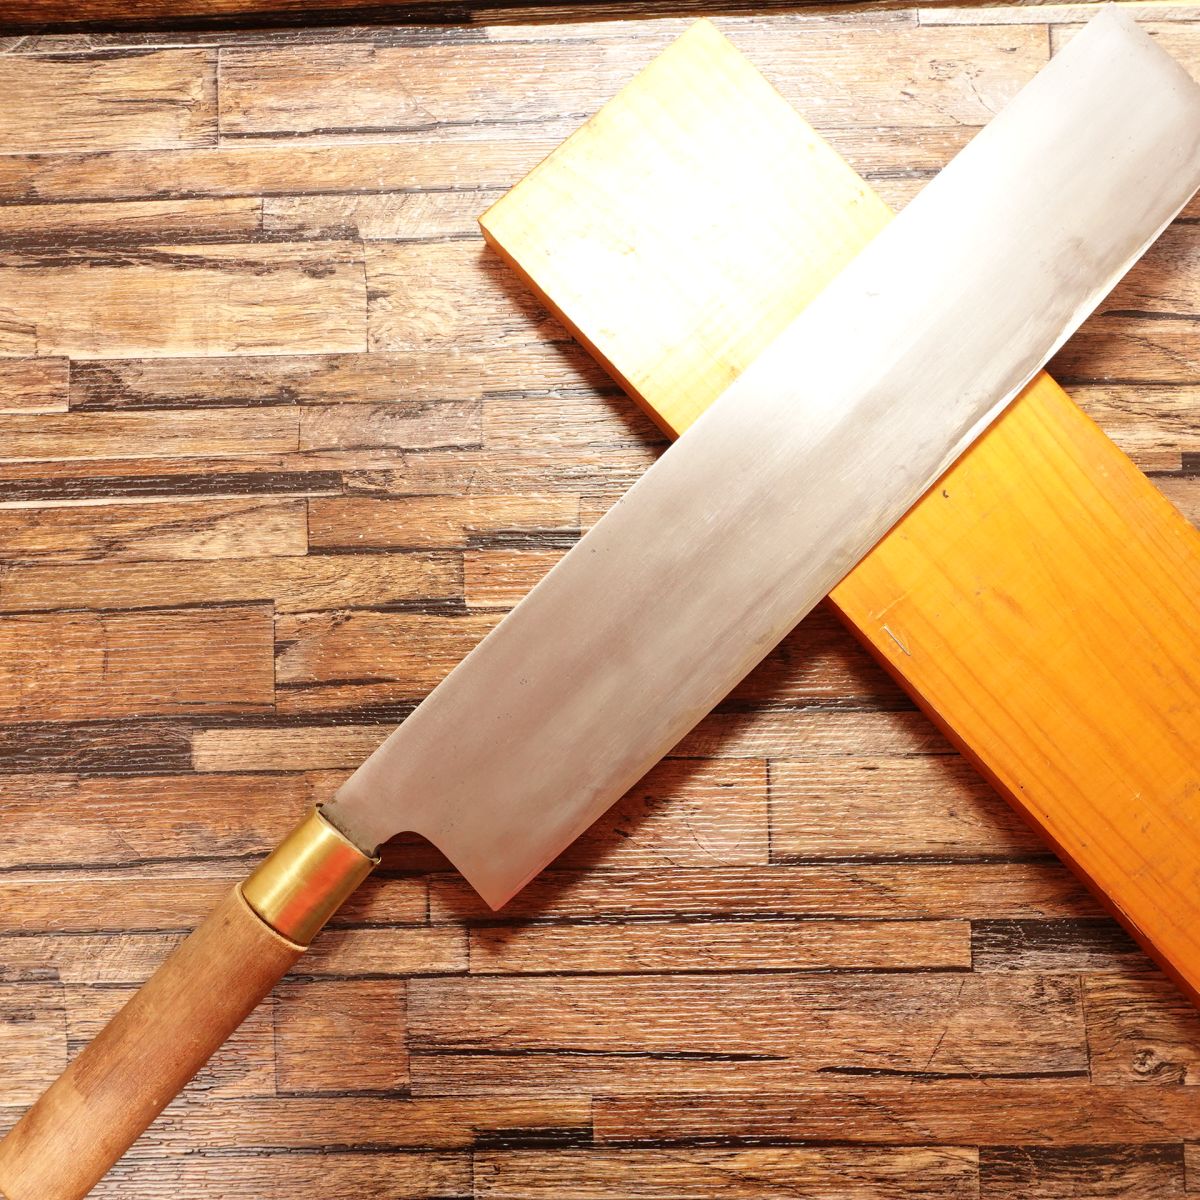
795,472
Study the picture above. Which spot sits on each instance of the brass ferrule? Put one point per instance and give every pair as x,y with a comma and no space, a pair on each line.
306,878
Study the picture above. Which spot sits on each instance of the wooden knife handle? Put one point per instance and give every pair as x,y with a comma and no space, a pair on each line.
118,1084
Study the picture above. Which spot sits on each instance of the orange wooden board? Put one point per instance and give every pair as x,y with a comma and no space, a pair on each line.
1040,602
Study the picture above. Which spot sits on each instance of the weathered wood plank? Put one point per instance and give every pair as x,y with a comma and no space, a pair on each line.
820,662
33,384
95,959
1049,1173
342,660
683,813
295,748
1140,1030
338,1176
387,426
414,163
448,296
720,946
960,1112
72,666
186,300
903,76
1049,14
396,952
121,820
113,533
869,1174
157,99
33,1043
848,807
873,890
423,380
385,216
305,583
236,219
170,896
340,1036
1154,425
149,434
736,1032
305,1123
441,522
502,578
1184,492
786,732
1056,945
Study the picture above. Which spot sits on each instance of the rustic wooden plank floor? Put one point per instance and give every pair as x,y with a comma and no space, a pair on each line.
281,440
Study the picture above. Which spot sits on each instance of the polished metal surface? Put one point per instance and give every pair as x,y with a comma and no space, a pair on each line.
795,472
306,879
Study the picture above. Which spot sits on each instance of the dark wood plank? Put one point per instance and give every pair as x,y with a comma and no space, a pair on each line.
1140,1030
386,216
873,1174
342,660
934,805
426,296
1056,945
884,891
667,948
1058,1173
158,99
651,1028
116,820
298,1124
112,533
293,583
33,384
338,1176
960,1112
72,666
33,1041
905,75
171,896
45,225
183,300
429,522
339,1036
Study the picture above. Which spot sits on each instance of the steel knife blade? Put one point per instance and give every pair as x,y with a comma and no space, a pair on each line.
795,472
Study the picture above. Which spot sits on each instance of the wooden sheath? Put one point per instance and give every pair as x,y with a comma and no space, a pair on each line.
1039,603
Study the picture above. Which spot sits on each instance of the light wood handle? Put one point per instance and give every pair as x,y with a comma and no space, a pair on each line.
93,1113
143,1057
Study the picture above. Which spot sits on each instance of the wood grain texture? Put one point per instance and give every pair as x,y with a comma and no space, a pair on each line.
152,100
116,1087
739,977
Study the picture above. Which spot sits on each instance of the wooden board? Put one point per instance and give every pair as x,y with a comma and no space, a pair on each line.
1042,601
815,842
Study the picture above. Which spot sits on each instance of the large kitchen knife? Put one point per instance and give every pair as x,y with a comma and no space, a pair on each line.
771,497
